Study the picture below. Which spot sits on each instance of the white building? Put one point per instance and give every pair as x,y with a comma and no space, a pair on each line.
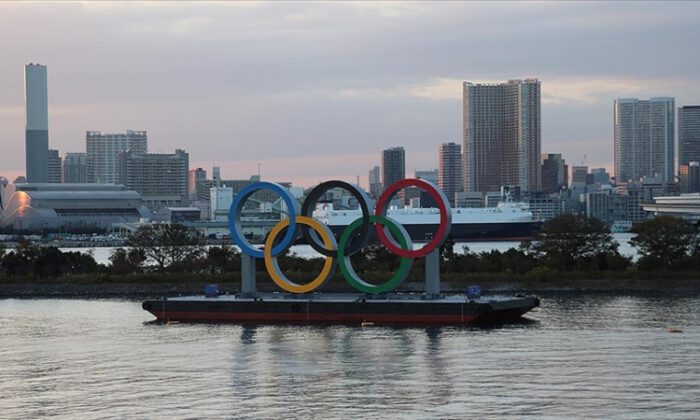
220,199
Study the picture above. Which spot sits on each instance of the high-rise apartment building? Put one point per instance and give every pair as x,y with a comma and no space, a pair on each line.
37,124
374,182
393,165
161,179
450,170
74,168
103,153
644,139
688,134
54,165
502,135
555,172
194,176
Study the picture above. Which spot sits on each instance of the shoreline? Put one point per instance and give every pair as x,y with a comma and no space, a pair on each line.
153,290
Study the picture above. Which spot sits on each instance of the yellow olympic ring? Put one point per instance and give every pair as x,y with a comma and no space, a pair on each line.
274,270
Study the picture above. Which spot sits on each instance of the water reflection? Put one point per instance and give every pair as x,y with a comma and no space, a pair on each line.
576,356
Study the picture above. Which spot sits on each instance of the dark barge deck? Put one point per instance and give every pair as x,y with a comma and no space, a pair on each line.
342,308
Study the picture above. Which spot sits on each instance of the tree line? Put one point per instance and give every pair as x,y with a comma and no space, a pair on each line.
566,243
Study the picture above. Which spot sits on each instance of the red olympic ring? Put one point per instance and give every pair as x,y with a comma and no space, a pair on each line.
445,217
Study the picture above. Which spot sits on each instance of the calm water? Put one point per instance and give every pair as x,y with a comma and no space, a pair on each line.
591,356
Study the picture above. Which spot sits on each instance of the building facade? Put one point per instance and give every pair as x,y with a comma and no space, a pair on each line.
555,172
193,177
393,165
644,139
54,164
74,168
161,179
690,177
502,135
688,134
374,182
37,123
102,153
450,170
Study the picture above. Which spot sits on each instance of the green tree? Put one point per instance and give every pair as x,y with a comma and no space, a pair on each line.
127,261
664,242
171,245
574,242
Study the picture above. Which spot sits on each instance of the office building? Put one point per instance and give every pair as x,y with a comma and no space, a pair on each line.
430,175
450,170
690,177
74,168
501,135
688,134
161,179
644,139
579,175
600,176
374,182
393,165
37,123
102,153
554,172
54,165
193,177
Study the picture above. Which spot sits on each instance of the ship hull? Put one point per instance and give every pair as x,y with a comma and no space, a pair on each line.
345,308
463,232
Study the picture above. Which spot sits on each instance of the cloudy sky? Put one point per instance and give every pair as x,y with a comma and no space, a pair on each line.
315,90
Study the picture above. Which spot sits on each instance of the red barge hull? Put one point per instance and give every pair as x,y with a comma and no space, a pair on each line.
341,309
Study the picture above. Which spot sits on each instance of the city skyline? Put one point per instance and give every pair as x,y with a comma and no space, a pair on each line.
398,80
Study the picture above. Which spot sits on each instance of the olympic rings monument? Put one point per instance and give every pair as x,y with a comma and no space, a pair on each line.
371,303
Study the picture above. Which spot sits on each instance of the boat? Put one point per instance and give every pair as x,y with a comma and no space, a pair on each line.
342,308
509,221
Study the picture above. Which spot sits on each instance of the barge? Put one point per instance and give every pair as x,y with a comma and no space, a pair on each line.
342,308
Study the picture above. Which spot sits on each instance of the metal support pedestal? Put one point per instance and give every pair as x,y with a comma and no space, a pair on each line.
247,275
432,273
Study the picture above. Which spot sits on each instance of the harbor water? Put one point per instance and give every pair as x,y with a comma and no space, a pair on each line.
577,356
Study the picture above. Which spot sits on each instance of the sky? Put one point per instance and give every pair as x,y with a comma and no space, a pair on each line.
313,91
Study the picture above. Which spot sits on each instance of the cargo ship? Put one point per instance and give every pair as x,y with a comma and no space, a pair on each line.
342,308
509,221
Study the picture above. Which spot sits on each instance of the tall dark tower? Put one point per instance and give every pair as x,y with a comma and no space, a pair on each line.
37,125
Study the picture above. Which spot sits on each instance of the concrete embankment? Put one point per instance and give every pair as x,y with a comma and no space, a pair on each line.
139,290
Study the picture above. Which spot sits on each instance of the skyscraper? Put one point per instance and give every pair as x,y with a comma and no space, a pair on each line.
644,139
74,168
393,165
374,182
501,135
450,170
688,134
554,172
37,124
54,164
103,153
